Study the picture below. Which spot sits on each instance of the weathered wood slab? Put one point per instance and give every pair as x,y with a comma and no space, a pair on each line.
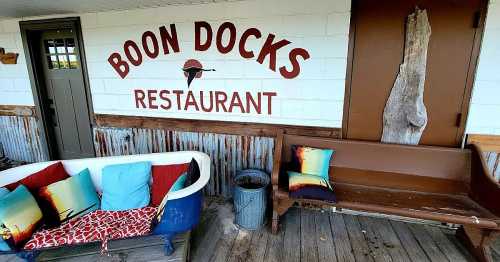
343,248
147,248
324,238
408,240
291,241
405,115
357,238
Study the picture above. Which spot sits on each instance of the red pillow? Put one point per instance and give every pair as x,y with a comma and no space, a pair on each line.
44,177
164,178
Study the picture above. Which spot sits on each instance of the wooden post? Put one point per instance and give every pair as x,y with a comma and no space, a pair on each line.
405,116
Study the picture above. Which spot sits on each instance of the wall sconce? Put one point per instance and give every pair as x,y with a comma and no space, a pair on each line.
8,58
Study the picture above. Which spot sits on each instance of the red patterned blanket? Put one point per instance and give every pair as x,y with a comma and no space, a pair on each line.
96,226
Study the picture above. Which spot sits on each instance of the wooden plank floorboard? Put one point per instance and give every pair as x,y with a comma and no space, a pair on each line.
224,245
408,241
458,244
324,238
309,248
291,240
427,243
357,238
495,249
10,258
240,252
378,250
389,239
258,245
274,250
206,240
443,243
343,249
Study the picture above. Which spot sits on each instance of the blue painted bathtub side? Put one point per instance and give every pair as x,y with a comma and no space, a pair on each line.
180,215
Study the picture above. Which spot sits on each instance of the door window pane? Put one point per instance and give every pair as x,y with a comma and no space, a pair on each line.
52,62
70,45
49,46
60,46
73,63
63,62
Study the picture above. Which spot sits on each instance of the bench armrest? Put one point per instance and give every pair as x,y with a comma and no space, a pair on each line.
278,148
484,189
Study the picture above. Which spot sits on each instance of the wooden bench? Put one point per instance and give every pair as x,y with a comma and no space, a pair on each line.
432,183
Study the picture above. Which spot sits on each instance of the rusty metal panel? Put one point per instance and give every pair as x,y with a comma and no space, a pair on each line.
493,162
20,139
229,153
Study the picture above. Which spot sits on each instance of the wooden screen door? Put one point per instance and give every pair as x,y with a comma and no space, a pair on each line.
64,98
378,28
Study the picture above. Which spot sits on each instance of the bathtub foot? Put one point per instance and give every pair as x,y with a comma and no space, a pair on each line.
168,247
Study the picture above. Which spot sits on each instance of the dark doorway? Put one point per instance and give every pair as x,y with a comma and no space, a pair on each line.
377,46
58,75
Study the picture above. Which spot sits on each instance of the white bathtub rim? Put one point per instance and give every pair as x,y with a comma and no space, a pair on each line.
74,166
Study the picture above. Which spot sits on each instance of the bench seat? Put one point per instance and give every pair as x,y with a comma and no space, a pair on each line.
456,209
448,185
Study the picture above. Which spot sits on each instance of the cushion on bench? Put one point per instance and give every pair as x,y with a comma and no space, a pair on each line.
99,225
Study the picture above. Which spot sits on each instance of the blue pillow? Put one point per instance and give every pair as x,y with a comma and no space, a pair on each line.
125,186
3,245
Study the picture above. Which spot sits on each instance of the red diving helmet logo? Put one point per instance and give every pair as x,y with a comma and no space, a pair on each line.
193,69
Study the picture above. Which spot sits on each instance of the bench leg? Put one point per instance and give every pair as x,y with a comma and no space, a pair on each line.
478,241
280,206
275,222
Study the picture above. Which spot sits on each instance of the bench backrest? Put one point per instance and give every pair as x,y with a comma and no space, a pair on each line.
419,168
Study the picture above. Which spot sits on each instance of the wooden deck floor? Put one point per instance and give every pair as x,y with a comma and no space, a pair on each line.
308,235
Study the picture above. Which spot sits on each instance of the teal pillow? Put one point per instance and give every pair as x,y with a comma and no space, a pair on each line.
310,160
125,186
20,216
179,183
3,192
3,245
72,197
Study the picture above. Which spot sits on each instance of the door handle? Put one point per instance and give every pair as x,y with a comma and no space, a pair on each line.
458,121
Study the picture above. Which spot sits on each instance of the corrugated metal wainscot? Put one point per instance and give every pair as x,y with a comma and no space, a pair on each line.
20,139
229,153
493,161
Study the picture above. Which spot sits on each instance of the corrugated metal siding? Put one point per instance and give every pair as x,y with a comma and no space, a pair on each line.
229,153
20,138
493,162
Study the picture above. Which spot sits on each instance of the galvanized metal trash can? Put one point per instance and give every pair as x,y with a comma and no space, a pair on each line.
250,198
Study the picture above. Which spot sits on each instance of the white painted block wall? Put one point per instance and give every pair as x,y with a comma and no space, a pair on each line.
318,92
15,88
314,98
484,113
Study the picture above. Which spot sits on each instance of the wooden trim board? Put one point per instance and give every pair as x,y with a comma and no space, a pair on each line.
209,126
487,143
14,110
